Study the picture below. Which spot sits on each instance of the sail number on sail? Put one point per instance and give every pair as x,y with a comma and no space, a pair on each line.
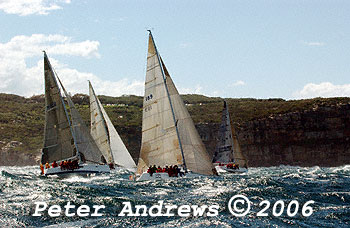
149,97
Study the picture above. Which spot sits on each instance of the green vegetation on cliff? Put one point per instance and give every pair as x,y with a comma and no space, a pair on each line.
22,119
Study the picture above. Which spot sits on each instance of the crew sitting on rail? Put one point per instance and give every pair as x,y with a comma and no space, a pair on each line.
159,169
232,166
47,165
111,166
173,171
151,170
54,164
63,165
70,165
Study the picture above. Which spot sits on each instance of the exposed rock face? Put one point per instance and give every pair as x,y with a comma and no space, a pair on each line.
9,156
317,137
15,158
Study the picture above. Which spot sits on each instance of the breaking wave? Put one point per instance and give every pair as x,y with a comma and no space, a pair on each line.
20,187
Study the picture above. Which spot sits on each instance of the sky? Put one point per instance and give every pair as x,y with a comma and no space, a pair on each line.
290,49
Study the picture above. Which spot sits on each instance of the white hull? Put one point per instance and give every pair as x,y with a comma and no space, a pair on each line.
163,176
224,169
83,170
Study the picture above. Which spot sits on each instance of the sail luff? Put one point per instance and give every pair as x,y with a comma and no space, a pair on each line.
98,105
160,143
166,123
171,105
58,134
240,159
228,149
99,131
224,150
196,155
88,150
106,136
66,112
121,155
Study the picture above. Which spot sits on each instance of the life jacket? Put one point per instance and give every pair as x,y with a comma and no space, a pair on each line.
42,169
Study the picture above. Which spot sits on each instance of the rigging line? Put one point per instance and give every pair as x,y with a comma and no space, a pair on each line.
171,105
62,100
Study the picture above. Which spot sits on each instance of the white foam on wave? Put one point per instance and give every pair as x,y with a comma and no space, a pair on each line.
341,168
81,179
211,190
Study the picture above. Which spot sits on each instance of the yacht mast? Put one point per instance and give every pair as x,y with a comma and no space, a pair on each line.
64,107
171,106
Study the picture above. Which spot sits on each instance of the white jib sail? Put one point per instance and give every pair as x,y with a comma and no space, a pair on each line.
120,153
106,136
196,156
98,127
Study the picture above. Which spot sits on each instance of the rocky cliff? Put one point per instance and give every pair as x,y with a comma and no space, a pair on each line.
320,136
271,132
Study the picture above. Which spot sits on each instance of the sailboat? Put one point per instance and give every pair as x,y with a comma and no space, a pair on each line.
67,140
228,156
107,137
169,136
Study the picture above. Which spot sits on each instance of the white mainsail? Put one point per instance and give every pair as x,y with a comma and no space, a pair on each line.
169,136
106,136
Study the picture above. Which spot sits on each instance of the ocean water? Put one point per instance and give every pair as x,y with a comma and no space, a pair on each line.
329,188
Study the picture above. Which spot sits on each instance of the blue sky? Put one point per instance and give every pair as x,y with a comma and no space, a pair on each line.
261,49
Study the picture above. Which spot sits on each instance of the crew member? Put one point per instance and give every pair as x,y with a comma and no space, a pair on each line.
54,164
42,169
159,170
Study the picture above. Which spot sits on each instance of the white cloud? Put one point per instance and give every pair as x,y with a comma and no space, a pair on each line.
324,89
28,7
76,82
31,46
19,78
238,83
314,43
